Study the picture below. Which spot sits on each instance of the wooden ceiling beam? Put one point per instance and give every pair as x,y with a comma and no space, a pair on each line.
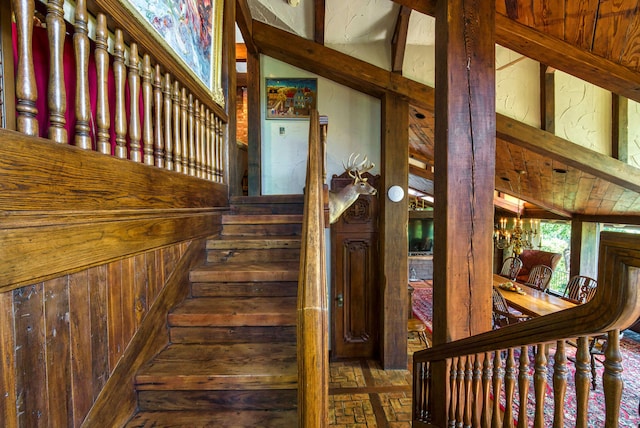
556,53
339,67
420,172
245,23
318,24
574,155
399,39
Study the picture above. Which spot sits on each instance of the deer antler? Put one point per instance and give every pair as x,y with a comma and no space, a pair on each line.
356,169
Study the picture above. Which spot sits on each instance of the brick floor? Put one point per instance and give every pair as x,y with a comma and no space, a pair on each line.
362,394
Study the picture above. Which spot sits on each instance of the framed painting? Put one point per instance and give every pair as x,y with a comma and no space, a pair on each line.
189,31
290,98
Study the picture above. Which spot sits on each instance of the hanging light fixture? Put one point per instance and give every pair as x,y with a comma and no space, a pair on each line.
518,238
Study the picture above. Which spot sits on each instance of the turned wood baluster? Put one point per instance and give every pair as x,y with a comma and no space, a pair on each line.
57,95
509,388
168,135
612,379
184,137
81,47
476,392
498,374
214,125
134,104
202,164
207,146
26,90
560,376
453,393
212,148
540,385
582,381
219,145
487,371
196,138
158,142
523,387
103,116
119,80
177,129
192,142
147,100
468,392
460,405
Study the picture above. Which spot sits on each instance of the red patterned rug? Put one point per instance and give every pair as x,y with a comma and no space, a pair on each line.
629,347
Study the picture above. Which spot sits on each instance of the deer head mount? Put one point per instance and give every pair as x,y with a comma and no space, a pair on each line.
340,201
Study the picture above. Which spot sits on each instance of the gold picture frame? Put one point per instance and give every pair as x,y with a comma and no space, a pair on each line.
185,37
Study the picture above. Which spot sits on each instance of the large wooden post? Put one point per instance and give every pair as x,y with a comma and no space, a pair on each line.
393,232
464,176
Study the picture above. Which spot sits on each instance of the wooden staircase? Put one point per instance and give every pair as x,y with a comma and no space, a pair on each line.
231,358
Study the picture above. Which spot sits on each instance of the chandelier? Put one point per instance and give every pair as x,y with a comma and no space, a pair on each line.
517,237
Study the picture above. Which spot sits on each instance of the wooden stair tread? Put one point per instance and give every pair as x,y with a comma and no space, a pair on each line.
235,311
221,367
246,271
218,419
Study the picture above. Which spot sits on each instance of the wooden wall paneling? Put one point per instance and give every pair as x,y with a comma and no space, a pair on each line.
80,329
117,400
140,288
9,397
31,370
99,306
115,324
128,300
58,355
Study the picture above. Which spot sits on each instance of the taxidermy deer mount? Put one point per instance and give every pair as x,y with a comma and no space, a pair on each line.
340,201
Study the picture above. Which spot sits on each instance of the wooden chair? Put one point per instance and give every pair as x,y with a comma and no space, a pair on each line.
539,277
510,268
415,325
502,313
580,289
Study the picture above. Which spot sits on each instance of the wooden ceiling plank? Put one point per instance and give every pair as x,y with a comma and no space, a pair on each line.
631,54
580,18
549,17
612,28
572,154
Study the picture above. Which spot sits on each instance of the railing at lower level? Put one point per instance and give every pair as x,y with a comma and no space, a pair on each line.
486,374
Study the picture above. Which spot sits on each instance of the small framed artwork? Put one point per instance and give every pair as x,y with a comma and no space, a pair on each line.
290,98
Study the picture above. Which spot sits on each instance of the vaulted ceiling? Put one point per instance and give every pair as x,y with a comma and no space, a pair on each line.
595,40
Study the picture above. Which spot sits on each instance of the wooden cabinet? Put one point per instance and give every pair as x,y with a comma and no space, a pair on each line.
355,290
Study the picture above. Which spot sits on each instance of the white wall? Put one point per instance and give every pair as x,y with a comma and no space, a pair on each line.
354,127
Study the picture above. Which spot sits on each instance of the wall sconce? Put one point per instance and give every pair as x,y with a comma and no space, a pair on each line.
395,193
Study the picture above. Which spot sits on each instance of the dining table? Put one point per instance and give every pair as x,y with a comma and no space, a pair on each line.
530,301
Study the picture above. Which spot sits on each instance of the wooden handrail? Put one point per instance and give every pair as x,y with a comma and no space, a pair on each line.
615,306
313,348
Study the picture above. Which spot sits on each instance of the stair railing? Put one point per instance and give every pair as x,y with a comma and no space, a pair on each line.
483,372
312,335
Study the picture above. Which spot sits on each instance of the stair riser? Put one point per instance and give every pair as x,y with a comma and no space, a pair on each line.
294,229
248,255
217,400
244,289
246,243
207,382
239,320
229,335
242,276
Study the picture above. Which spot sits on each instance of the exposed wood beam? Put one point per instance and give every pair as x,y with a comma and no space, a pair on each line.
241,52
245,23
547,207
424,173
615,219
318,25
574,155
339,67
555,53
619,128
547,98
399,40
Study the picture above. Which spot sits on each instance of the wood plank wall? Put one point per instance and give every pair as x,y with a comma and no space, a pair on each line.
62,338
